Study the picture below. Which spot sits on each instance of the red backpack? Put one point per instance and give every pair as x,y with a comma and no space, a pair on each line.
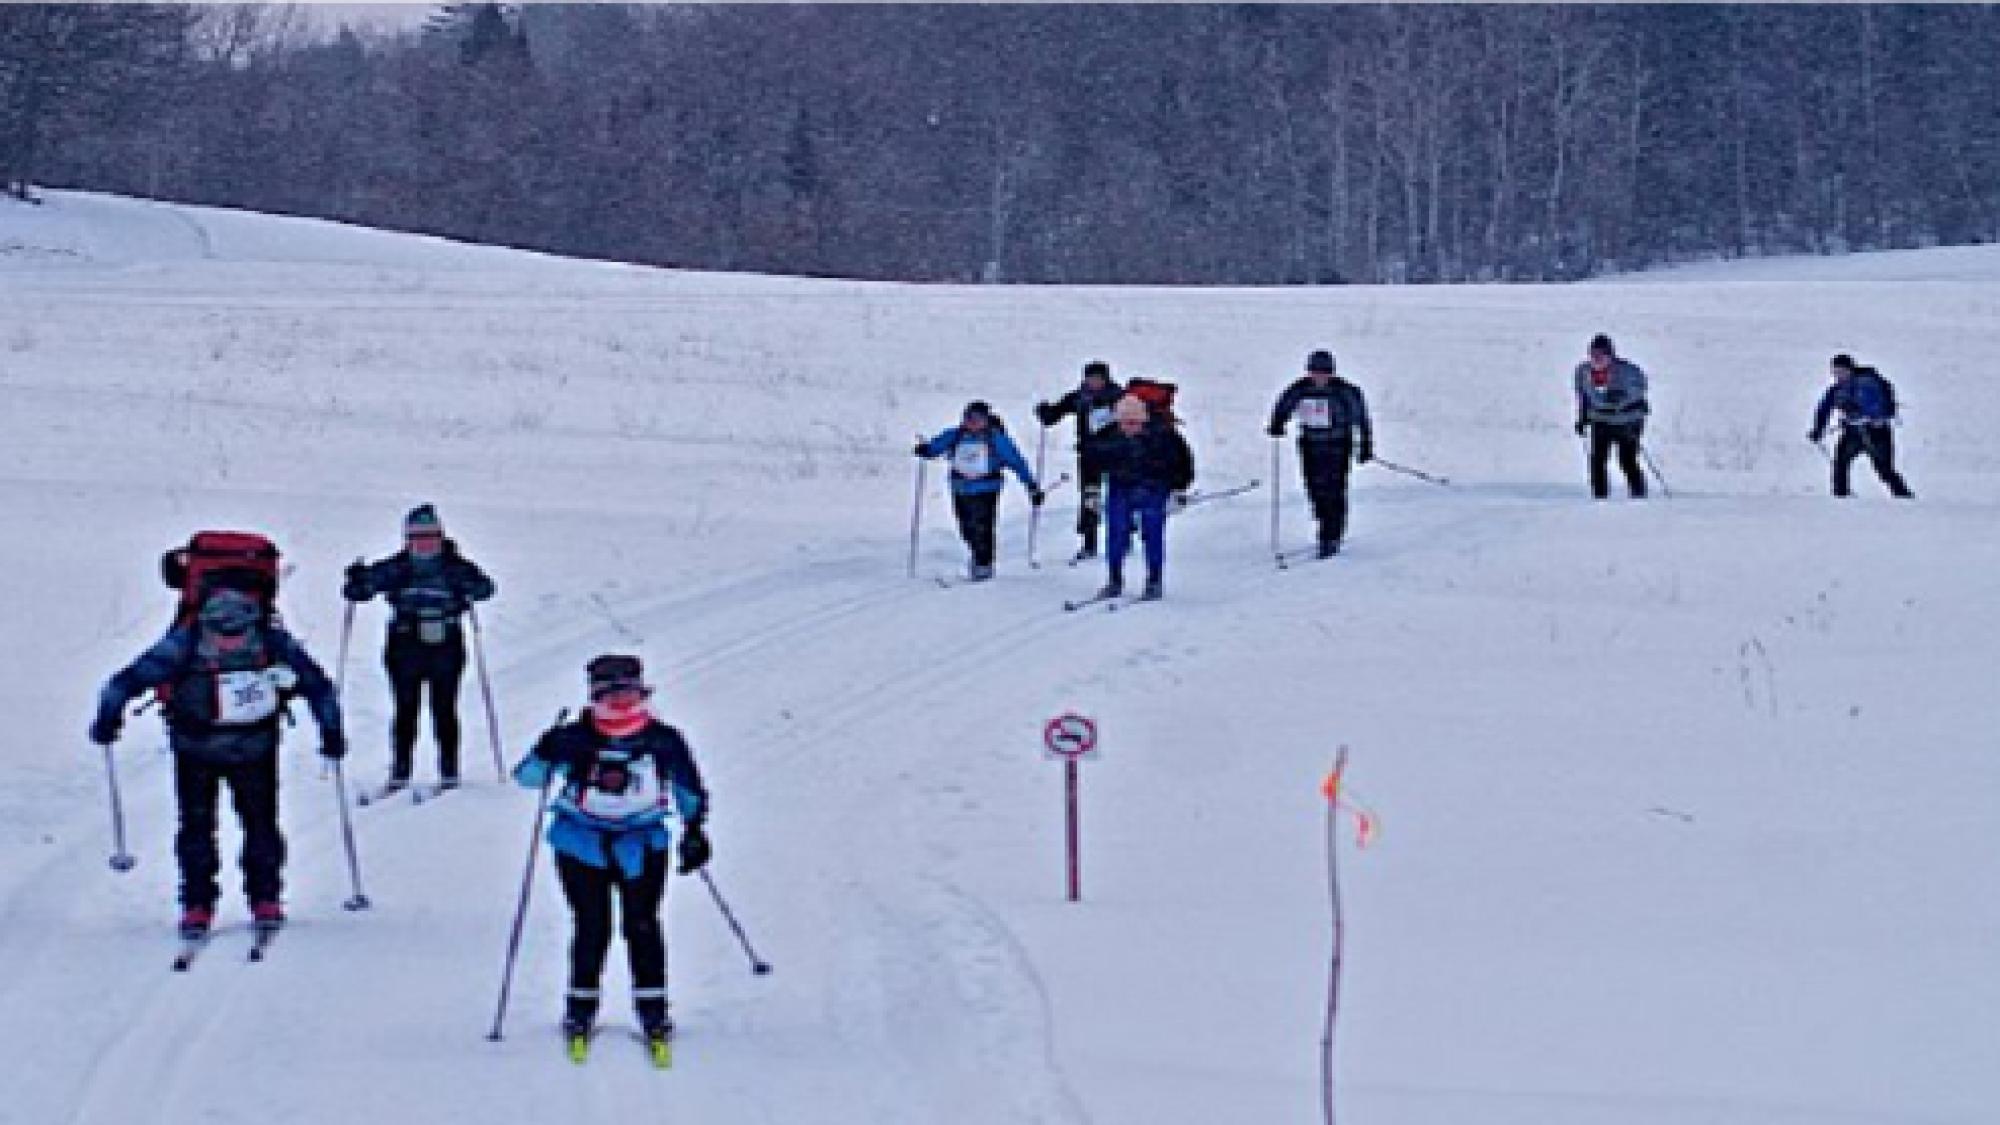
1158,396
212,560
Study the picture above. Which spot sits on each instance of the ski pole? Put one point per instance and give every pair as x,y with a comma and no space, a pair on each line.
1277,500
486,691
758,965
917,512
1035,516
1443,482
340,664
521,908
1647,455
121,860
359,899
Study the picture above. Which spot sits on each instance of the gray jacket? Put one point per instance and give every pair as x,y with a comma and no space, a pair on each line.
1621,401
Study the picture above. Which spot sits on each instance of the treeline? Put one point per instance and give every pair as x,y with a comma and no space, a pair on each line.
1240,144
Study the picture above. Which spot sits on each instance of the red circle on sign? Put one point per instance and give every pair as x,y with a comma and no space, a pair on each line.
1070,735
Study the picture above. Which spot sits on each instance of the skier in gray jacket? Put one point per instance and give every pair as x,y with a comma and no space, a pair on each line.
1611,408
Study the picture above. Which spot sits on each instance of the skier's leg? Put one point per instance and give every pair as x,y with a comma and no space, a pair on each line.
447,671
1333,528
1628,460
1882,454
1117,531
253,789
406,682
1090,476
1844,452
1600,458
1153,527
639,901
985,514
588,890
195,791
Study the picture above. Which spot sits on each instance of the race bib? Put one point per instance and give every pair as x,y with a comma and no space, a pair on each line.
432,631
245,699
972,459
617,789
1315,413
1101,417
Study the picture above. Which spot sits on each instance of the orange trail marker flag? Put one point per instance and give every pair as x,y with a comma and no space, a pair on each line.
1367,825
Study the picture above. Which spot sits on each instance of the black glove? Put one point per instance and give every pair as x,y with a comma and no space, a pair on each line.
695,851
1815,437
1047,413
1277,429
1580,426
104,729
332,745
356,589
1180,502
1036,496
921,449
1366,453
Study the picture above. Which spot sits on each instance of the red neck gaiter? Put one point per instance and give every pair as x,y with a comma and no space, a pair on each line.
614,721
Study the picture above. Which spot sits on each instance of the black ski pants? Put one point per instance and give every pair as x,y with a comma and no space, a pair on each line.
413,667
1624,437
1325,465
1089,514
1879,443
977,513
590,891
253,790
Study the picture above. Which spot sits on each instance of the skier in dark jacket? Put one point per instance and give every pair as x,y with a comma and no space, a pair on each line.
1333,432
1091,403
224,682
1611,407
1867,405
622,775
979,449
1147,466
429,587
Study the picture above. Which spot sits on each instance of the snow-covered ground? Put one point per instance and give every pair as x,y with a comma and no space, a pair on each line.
1688,805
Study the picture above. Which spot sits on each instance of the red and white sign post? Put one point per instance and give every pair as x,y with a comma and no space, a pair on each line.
1071,738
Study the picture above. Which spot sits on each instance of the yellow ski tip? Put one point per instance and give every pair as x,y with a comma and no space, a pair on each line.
663,1053
579,1048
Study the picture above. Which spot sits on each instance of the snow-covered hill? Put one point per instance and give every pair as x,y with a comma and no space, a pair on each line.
1688,805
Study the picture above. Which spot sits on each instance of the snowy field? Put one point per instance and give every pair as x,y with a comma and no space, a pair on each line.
1689,806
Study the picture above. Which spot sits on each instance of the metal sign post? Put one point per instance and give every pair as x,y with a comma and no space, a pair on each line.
1071,738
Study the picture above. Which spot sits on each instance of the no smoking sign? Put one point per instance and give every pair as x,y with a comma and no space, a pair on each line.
1070,737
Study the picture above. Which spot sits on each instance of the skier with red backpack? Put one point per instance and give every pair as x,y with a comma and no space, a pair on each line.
224,674
1149,468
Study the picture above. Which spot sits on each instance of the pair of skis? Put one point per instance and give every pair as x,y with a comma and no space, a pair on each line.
659,1049
419,794
192,947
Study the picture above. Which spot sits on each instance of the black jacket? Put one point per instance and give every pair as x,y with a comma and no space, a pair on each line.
441,593
1092,411
1336,412
1157,458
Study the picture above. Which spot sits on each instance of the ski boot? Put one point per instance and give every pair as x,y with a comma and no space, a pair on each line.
578,1022
1112,589
447,784
267,915
1329,548
1154,590
979,572
195,921
658,1028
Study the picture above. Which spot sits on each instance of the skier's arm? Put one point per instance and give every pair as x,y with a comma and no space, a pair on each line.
545,760
154,667
1182,466
1639,388
690,795
318,692
473,584
937,445
1052,412
1282,412
1824,413
1364,430
1010,457
383,577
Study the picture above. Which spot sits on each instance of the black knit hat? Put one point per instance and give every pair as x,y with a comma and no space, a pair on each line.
1844,361
611,673
1602,343
1320,362
1098,368
979,407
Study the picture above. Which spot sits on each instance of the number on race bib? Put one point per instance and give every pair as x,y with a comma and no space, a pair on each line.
1101,417
1315,413
245,698
619,789
972,459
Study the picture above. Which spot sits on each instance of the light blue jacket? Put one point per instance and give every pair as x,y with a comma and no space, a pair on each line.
998,453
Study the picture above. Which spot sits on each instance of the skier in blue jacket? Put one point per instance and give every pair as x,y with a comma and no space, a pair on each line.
1867,405
623,775
979,449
